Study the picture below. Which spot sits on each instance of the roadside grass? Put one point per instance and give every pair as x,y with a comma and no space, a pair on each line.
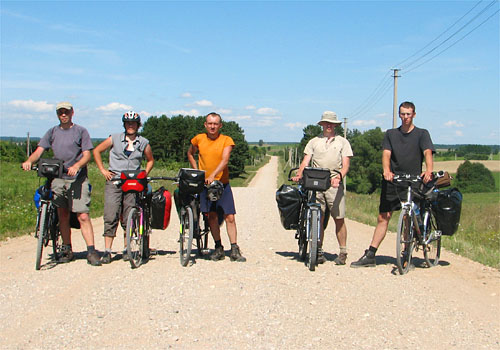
250,171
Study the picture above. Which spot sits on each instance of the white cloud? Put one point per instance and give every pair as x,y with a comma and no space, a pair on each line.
267,111
239,117
382,115
33,106
203,103
145,114
223,111
364,122
250,107
114,106
453,124
459,133
192,112
186,95
297,125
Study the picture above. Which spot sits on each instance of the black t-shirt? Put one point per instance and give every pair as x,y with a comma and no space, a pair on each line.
407,150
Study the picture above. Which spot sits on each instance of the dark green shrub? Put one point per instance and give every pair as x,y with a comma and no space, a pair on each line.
474,178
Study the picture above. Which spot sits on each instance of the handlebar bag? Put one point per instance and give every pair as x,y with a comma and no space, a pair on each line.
446,209
50,168
289,200
134,180
191,181
161,203
317,179
443,181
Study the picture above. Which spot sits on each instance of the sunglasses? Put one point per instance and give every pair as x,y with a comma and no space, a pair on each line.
62,111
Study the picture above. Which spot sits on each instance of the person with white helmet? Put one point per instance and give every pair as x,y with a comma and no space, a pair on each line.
127,150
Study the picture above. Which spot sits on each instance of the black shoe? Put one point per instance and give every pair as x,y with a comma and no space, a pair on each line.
93,259
321,256
367,260
341,259
66,256
106,258
218,254
236,254
125,256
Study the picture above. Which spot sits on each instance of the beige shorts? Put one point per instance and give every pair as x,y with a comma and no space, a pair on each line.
72,194
335,199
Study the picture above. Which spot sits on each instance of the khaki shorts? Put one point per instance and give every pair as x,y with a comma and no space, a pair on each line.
72,194
335,199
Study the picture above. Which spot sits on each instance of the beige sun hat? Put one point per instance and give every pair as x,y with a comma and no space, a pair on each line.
330,117
65,105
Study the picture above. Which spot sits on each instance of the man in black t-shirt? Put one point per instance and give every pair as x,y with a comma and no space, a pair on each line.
404,149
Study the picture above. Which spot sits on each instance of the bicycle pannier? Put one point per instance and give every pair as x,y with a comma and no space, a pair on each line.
50,168
191,181
161,203
134,180
289,200
447,209
317,179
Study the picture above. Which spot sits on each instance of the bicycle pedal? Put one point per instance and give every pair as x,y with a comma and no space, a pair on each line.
153,251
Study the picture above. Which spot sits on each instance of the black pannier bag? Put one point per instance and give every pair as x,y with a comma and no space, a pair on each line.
317,179
289,200
446,209
50,168
161,203
191,181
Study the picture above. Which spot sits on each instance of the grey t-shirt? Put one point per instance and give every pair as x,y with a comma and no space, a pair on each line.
68,145
118,160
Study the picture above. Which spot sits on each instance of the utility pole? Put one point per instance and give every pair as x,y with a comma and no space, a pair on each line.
28,145
395,99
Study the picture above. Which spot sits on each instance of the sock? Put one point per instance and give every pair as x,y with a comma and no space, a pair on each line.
108,250
90,248
234,245
343,250
66,247
373,250
218,243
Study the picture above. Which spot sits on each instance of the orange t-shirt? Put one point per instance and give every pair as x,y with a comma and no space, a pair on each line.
210,154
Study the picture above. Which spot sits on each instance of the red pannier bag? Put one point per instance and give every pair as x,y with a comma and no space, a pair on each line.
134,180
161,203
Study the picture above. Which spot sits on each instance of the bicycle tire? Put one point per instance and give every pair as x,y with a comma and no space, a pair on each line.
302,244
135,241
186,236
432,250
55,234
314,226
404,242
42,235
202,243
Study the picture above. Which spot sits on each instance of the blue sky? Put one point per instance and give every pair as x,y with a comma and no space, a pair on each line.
273,67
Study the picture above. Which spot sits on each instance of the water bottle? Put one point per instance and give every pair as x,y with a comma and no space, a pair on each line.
416,210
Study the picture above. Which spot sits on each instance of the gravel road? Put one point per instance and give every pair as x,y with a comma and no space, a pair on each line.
270,302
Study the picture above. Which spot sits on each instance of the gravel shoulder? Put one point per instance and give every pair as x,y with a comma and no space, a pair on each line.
270,302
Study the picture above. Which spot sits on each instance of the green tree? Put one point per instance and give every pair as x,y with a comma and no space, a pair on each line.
261,143
474,177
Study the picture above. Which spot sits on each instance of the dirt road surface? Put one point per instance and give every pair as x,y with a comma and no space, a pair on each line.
270,302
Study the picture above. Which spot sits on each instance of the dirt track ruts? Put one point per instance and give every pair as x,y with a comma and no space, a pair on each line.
270,302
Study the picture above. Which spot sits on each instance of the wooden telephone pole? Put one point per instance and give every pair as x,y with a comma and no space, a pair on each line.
395,99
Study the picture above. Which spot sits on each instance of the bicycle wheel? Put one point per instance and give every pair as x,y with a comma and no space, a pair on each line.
432,250
135,241
186,235
43,234
404,242
55,234
314,232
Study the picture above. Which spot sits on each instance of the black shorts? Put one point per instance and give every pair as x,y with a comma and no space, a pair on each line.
391,197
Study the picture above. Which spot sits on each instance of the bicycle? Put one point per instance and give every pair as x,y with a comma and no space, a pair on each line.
416,226
308,232
191,184
47,221
138,226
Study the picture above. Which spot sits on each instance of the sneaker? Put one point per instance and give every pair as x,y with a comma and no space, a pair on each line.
236,254
66,256
125,256
218,254
340,259
367,260
93,259
106,258
321,256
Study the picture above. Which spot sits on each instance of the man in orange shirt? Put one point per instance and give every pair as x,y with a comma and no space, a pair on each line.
214,150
